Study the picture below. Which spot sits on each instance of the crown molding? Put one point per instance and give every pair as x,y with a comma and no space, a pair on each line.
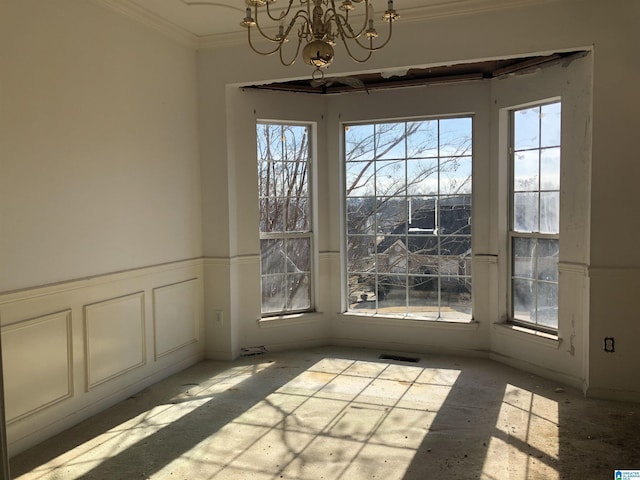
436,9
151,20
453,8
218,40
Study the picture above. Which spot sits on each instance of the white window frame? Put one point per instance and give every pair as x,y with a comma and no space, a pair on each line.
344,233
292,235
513,234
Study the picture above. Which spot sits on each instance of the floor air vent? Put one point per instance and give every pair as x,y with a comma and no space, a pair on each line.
399,358
250,351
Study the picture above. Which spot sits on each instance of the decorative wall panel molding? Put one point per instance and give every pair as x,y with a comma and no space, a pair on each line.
114,337
175,316
579,269
38,363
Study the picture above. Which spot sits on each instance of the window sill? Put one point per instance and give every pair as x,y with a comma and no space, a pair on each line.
292,319
377,319
529,334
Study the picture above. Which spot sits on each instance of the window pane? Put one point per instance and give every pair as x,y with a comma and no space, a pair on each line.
550,169
422,176
272,256
455,137
548,304
394,258
392,216
295,143
392,294
422,139
298,255
423,253
549,212
422,215
361,215
299,292
524,300
423,297
273,293
526,167
359,142
390,178
271,215
455,215
456,298
362,293
295,178
455,249
360,179
550,125
455,175
269,179
525,212
361,253
526,128
269,142
524,257
548,260
297,213
390,140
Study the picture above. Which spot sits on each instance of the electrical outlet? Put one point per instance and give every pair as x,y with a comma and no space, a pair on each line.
219,317
609,344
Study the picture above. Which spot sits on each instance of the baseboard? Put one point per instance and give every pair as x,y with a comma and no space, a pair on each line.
407,347
553,375
612,394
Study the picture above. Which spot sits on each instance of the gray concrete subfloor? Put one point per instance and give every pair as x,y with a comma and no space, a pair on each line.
334,413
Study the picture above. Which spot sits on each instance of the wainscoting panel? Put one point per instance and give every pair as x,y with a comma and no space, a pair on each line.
72,349
37,363
175,316
114,337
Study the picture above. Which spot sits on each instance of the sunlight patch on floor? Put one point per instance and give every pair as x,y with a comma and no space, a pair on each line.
338,419
527,442
87,456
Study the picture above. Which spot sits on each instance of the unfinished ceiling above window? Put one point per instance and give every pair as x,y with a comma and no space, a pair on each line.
414,77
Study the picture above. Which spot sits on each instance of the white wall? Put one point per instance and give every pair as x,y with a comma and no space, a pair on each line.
99,173
601,270
98,128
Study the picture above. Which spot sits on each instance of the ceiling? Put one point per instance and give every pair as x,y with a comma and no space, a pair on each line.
205,23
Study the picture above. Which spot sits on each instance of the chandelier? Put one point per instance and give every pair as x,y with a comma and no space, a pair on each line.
319,25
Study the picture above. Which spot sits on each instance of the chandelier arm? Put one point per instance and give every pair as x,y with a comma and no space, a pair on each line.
342,21
293,59
299,14
279,47
354,58
282,16
371,48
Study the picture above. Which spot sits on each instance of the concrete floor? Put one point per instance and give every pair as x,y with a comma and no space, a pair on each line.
332,413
